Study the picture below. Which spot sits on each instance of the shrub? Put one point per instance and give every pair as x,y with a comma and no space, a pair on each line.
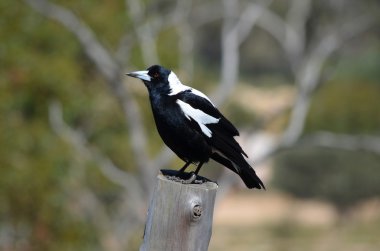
341,177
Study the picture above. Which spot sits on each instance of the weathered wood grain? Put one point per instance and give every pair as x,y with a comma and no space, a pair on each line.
179,216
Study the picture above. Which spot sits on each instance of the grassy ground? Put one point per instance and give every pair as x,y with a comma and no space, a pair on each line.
284,231
287,237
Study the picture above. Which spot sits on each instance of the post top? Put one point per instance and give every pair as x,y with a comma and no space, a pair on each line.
183,178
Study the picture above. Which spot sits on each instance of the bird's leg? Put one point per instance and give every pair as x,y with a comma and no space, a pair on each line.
198,167
184,167
191,178
193,174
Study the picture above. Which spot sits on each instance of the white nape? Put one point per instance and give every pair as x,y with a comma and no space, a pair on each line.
176,87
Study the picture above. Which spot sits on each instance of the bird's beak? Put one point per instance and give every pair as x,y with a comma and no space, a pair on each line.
143,75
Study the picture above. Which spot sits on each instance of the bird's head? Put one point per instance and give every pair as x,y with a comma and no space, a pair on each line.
155,77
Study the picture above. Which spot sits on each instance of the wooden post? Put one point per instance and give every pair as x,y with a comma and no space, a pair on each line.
179,216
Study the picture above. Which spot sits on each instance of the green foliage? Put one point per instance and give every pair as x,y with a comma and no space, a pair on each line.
346,107
343,178
348,103
34,166
365,67
41,62
106,18
239,115
167,44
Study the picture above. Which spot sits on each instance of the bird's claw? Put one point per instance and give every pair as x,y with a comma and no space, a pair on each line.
191,179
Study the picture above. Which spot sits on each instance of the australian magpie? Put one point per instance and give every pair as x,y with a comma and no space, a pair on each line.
192,127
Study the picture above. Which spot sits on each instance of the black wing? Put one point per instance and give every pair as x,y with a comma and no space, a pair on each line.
203,104
223,132
227,150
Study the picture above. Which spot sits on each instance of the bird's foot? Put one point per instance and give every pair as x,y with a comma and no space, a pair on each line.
191,179
183,177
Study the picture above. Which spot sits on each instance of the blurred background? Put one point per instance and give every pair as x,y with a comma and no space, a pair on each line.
79,151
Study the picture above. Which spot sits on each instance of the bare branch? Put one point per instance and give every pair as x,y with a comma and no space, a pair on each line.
80,144
122,51
248,20
96,52
273,24
186,37
111,71
234,33
84,199
368,143
308,76
181,11
230,51
144,32
295,33
205,13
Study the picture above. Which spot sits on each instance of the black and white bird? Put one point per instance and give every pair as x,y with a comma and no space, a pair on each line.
192,127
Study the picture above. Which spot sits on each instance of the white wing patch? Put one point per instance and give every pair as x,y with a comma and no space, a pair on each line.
199,116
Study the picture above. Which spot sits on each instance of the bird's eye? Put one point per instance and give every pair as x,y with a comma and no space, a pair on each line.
156,75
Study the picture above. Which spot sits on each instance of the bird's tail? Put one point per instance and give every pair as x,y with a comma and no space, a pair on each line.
250,178
243,169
